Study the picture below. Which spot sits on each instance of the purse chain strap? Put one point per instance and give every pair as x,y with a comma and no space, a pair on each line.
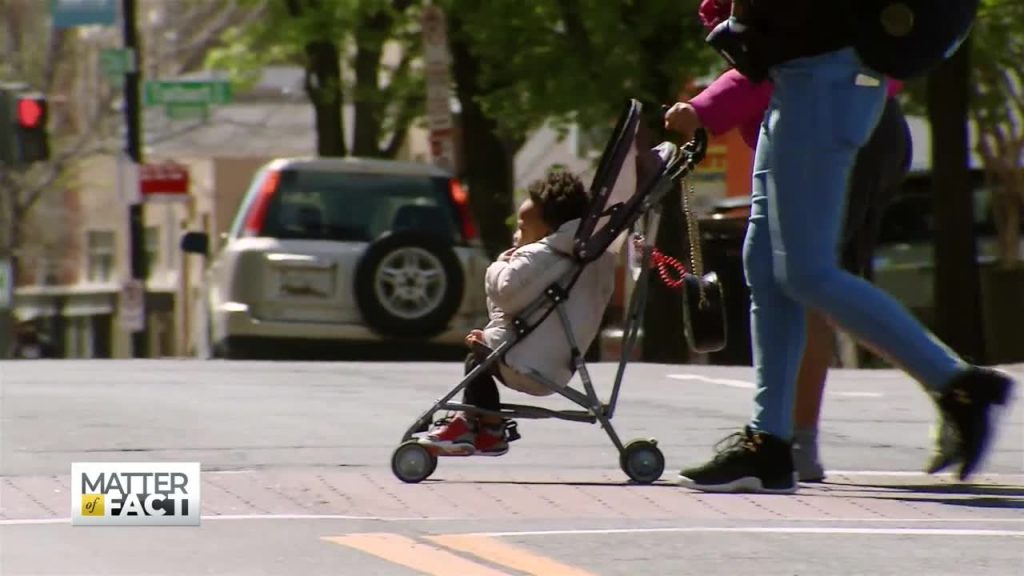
693,231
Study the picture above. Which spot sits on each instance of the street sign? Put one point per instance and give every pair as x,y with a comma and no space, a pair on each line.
131,307
6,288
165,181
115,63
165,92
73,13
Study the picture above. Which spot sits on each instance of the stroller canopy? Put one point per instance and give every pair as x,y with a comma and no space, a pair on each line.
627,172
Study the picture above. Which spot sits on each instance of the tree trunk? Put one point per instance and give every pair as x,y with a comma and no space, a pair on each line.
370,35
323,85
664,340
366,127
489,160
957,285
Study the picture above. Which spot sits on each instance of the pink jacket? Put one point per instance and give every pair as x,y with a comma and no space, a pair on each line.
732,100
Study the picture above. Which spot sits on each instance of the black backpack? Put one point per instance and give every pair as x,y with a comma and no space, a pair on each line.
907,38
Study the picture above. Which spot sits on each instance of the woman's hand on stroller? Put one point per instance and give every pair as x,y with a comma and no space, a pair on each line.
682,118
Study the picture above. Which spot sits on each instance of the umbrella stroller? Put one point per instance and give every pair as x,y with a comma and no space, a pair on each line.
629,186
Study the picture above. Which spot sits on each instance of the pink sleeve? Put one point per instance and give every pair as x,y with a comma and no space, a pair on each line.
895,87
730,101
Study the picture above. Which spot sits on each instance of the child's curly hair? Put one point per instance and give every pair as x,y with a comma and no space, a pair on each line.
561,197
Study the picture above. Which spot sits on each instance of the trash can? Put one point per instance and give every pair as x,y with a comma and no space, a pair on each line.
722,236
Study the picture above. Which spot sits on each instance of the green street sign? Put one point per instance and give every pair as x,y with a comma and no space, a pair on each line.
186,110
161,92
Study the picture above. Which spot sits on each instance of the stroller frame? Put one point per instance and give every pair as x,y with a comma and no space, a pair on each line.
640,459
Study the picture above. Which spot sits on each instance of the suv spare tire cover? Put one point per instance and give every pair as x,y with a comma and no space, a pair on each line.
432,253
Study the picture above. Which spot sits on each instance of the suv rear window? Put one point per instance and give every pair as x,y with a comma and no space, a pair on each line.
312,205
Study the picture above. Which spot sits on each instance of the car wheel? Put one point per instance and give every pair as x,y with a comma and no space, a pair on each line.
409,285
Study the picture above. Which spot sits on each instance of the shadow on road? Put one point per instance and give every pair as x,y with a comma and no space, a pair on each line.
993,496
971,489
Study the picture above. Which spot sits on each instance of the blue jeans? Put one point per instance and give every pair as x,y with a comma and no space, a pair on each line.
823,109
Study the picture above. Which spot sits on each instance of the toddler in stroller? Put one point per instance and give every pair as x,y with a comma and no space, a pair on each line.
546,298
547,222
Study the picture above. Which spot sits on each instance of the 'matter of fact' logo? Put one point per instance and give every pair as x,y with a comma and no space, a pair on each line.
135,494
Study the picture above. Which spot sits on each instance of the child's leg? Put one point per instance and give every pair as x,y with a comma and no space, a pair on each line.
482,392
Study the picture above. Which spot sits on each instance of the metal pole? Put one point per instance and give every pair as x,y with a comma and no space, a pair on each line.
133,146
7,320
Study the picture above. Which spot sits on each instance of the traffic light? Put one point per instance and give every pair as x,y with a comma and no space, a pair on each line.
23,119
32,138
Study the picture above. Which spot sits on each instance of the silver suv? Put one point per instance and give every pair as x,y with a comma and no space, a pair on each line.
347,250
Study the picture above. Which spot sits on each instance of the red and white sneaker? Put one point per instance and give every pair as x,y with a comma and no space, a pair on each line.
454,437
491,441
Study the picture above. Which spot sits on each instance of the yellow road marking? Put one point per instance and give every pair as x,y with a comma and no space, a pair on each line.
412,554
513,557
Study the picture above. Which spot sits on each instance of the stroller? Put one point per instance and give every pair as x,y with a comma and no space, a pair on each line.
618,207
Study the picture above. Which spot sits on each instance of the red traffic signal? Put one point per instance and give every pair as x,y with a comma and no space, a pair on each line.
31,112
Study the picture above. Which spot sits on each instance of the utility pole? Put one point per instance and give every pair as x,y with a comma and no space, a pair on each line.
133,148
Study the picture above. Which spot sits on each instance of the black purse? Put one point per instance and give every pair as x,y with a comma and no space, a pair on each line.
704,312
703,298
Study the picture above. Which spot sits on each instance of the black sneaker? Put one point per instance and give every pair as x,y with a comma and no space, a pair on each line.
966,406
747,461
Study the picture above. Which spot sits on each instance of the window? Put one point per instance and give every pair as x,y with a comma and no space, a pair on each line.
100,255
152,242
358,207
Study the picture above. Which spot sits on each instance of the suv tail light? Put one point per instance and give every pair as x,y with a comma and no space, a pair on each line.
461,200
258,210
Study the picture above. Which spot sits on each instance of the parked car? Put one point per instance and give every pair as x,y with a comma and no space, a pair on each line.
904,262
341,249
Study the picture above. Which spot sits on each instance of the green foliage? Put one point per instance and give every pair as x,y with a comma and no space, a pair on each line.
998,64
389,94
578,60
280,38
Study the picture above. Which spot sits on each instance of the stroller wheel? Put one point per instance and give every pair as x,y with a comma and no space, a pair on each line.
642,461
413,462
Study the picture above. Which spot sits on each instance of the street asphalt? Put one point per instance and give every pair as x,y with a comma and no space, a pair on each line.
296,478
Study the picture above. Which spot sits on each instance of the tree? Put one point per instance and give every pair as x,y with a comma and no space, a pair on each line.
997,110
343,47
489,154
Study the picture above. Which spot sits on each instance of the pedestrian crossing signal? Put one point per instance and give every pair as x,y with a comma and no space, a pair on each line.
31,112
23,126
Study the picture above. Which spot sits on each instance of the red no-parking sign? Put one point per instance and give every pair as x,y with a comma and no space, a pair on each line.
163,181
